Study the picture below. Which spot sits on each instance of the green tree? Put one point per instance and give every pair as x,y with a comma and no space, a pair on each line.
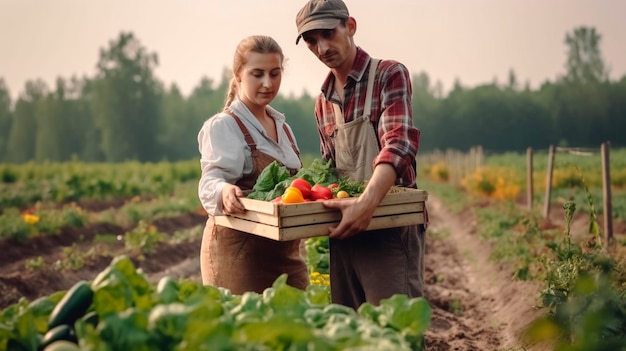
426,106
21,143
513,83
300,116
179,132
617,113
126,101
88,142
51,126
584,58
5,117
580,101
206,99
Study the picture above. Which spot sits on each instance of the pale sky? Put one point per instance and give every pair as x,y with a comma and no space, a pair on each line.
472,40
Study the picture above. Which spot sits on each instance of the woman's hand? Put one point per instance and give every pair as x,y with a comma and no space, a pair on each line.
230,199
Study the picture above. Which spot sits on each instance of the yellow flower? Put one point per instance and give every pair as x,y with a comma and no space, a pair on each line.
317,278
30,218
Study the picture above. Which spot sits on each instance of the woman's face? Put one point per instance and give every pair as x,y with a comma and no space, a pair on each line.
259,79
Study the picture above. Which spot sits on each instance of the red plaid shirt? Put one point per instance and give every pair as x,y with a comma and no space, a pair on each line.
391,115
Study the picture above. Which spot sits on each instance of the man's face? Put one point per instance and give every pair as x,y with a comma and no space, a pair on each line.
331,46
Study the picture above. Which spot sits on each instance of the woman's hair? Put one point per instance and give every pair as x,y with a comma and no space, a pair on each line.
261,44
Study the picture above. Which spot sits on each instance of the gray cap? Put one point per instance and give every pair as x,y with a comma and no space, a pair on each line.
320,14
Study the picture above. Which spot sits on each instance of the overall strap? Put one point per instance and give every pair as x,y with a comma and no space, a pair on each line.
370,87
367,108
244,130
291,140
250,140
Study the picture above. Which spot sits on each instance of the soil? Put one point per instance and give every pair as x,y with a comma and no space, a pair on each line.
476,304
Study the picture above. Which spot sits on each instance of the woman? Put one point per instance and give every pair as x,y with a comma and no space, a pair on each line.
235,146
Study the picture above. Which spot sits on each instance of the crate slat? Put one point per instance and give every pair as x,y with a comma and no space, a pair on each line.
313,230
400,207
325,216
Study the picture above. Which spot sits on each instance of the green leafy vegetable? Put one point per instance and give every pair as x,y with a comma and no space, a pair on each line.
274,178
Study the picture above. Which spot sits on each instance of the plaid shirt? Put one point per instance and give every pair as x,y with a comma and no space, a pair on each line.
392,115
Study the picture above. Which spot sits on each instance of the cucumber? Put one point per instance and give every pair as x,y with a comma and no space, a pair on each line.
72,306
91,318
62,345
61,332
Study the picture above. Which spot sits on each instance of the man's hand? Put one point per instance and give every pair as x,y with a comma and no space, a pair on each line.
357,212
356,216
230,199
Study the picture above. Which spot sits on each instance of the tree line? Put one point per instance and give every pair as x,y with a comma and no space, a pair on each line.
124,112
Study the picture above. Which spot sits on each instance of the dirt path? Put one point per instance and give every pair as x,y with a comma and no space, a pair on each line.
476,304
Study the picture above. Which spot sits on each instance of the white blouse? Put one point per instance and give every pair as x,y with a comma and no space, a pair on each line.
226,157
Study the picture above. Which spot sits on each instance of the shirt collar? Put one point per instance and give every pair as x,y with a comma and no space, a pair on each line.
361,60
242,111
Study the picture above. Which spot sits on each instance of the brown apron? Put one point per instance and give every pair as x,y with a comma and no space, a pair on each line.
242,262
376,264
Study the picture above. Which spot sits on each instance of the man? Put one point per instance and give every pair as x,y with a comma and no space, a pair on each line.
364,119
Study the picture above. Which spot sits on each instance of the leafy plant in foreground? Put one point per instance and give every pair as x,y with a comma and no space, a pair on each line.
134,314
587,308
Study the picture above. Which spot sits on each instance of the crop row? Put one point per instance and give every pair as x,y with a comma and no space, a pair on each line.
23,185
121,310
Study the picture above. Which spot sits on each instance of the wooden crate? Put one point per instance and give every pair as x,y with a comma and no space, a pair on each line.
400,207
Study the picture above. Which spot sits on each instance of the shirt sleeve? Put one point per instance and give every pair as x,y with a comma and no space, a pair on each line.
399,138
220,161
326,145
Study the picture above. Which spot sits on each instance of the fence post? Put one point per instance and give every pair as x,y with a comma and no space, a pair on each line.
546,204
529,178
480,156
606,193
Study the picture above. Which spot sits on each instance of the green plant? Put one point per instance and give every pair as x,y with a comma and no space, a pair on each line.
187,234
455,306
8,175
133,314
587,307
143,238
14,226
34,264
317,254
73,258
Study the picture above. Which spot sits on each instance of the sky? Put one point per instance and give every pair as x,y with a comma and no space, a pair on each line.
472,41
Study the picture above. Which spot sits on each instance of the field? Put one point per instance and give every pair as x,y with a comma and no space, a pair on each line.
63,223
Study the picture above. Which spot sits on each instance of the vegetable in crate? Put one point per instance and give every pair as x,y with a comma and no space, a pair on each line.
303,185
316,182
292,195
271,183
320,192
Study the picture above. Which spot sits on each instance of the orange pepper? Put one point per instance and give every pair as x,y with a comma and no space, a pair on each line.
292,195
